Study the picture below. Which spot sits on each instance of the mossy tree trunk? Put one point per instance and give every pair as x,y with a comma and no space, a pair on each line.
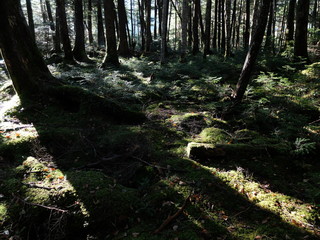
79,51
112,53
24,62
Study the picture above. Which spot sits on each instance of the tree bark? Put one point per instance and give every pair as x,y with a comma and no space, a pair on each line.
223,27
208,28
27,69
215,29
57,41
89,16
123,49
301,36
252,53
290,21
79,51
164,26
148,25
68,55
101,37
49,11
184,28
256,13
30,19
112,54
269,29
195,27
247,27
228,28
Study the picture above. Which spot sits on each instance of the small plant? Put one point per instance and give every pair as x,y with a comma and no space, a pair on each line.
303,146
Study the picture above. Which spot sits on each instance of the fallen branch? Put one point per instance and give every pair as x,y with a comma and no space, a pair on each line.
32,185
40,205
158,167
172,217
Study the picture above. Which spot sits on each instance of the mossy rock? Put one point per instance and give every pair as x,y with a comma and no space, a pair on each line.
203,151
245,135
213,135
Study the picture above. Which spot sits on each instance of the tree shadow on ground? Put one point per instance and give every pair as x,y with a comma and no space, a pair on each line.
71,189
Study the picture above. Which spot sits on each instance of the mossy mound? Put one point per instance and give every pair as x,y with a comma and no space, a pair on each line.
312,71
189,122
213,135
86,201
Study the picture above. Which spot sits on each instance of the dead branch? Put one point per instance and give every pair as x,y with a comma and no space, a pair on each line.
32,185
40,205
172,217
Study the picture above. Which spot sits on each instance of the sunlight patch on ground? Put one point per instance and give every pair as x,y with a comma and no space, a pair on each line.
290,209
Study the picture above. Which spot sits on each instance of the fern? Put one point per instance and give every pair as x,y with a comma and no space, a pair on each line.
303,146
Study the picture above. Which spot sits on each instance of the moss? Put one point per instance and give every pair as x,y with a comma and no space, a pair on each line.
3,212
213,135
312,71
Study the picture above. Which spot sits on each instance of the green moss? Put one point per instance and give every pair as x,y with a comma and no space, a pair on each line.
3,212
213,135
312,71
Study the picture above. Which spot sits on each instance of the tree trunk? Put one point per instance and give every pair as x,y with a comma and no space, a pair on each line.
142,24
233,23
208,28
155,20
43,12
57,47
269,29
79,51
68,55
219,25
223,27
101,37
301,36
190,37
195,27
247,27
228,28
112,54
215,29
30,19
27,69
253,52
148,25
49,11
239,24
90,22
164,26
290,21
184,28
123,49
256,13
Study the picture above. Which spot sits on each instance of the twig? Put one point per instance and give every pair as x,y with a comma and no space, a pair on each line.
32,185
157,166
237,214
103,160
314,121
172,217
40,205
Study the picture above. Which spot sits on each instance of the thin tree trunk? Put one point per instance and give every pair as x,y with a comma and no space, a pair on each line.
253,52
256,13
30,19
208,28
190,37
90,22
215,29
123,49
219,25
228,28
301,36
164,23
112,55
79,51
233,22
184,28
142,24
247,27
43,12
155,20
239,25
290,22
48,6
195,27
269,28
223,27
100,28
57,41
68,55
148,25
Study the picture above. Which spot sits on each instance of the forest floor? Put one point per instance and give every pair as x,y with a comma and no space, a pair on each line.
189,171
